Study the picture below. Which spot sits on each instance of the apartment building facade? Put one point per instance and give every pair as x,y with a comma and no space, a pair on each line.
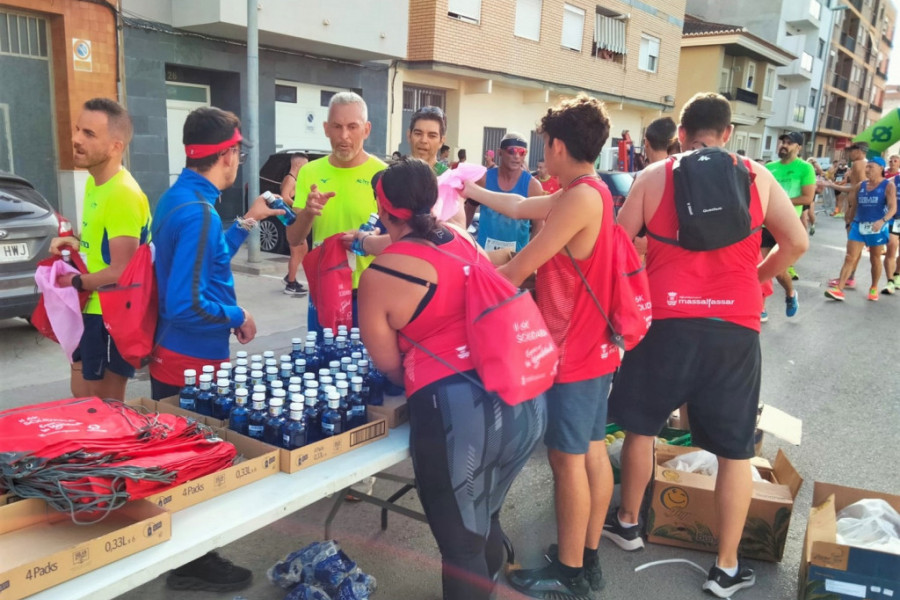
495,66
801,28
856,76
53,57
182,55
740,66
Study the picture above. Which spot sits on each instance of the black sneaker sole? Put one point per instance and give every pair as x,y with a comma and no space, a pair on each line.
726,592
597,583
180,582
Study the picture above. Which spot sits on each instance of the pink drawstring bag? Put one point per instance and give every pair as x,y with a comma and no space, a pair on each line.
62,305
450,186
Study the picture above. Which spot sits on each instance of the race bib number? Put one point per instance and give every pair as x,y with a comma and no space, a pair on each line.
492,244
868,229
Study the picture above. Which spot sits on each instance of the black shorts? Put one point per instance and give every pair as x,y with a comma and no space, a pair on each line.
712,365
767,240
97,352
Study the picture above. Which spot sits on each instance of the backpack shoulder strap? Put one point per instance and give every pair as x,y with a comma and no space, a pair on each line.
670,166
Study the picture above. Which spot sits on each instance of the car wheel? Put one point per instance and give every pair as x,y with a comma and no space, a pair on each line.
272,236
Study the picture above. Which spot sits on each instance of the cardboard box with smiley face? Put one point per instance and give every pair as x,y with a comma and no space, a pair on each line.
683,513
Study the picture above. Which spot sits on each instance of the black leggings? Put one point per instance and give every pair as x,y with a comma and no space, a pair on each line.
467,446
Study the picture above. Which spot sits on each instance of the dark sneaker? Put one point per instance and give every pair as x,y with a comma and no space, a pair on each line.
722,585
593,574
547,583
210,573
294,288
626,538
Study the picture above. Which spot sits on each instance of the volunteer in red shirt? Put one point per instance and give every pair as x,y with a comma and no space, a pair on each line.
462,438
578,220
549,183
703,345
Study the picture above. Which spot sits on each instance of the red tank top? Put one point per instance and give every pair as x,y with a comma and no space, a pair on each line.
577,327
441,326
717,284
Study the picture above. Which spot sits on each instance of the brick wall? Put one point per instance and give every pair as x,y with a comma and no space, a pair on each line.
491,45
69,19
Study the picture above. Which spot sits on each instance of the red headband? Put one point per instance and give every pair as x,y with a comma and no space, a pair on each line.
204,150
401,213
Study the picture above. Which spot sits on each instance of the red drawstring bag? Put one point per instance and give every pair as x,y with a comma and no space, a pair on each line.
131,307
39,318
512,349
330,281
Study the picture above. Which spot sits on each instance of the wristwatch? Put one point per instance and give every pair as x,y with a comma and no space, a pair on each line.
77,284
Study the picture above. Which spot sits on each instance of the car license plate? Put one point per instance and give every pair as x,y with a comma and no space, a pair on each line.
10,253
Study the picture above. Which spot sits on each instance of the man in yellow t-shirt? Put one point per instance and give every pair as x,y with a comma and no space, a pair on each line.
334,193
115,221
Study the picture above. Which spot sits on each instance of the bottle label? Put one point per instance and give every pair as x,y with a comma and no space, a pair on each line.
328,427
255,431
286,440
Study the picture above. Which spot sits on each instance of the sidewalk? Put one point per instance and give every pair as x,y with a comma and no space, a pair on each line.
269,264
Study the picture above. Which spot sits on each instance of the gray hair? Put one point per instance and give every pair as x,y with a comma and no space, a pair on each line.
512,135
349,98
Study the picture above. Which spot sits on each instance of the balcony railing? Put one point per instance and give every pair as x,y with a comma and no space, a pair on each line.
835,123
742,95
848,42
841,83
876,108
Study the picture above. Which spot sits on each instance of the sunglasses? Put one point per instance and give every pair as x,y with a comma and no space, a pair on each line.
514,150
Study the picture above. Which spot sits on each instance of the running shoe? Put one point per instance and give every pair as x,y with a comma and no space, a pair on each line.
548,583
834,293
793,273
294,288
763,317
792,304
839,215
897,279
594,574
812,229
873,294
723,585
849,285
889,289
626,538
211,573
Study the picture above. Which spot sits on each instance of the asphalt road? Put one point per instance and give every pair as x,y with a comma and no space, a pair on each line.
833,365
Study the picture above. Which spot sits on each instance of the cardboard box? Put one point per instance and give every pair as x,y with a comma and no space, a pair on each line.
170,405
257,460
312,454
682,510
395,411
41,547
833,571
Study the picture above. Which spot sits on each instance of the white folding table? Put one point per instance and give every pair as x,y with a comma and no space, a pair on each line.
212,524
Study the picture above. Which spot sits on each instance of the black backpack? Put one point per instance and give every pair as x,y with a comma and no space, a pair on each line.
712,200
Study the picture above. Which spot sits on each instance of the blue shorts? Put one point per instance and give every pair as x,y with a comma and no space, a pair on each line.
870,240
576,414
97,352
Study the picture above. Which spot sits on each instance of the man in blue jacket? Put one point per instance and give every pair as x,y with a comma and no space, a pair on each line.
198,308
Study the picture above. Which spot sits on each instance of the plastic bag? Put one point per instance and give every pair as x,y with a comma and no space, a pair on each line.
307,592
871,523
703,463
298,566
321,571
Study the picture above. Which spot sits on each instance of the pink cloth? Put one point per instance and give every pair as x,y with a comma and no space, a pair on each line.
62,305
450,184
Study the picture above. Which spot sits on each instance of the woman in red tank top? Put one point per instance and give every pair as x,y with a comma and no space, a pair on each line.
411,300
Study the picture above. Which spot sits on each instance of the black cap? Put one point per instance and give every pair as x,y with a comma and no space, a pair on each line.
794,136
864,146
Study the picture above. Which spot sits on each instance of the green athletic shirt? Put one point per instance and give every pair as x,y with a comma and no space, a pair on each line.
115,209
351,205
792,177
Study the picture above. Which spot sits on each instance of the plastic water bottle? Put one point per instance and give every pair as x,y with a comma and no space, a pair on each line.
239,419
334,366
276,202
340,346
328,349
366,227
312,356
355,342
343,390
299,366
187,399
256,378
287,371
345,362
376,383
268,354
205,396
275,421
239,355
240,382
358,414
351,371
271,377
256,358
311,413
293,434
66,256
307,377
223,403
228,367
257,420
332,421
296,349
208,370
364,373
